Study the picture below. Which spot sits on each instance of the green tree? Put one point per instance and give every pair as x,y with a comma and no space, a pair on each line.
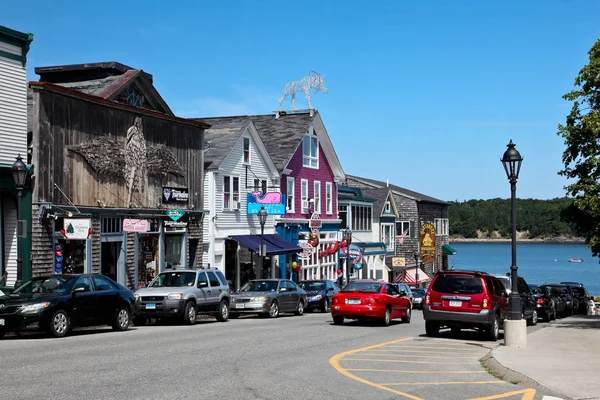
581,157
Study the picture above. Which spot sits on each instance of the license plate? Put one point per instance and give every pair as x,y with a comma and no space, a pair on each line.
1,321
239,306
455,303
150,306
353,301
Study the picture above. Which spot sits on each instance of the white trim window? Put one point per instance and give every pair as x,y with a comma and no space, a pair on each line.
441,226
246,142
260,186
402,229
310,151
388,207
317,196
291,191
328,198
361,217
387,236
231,192
304,195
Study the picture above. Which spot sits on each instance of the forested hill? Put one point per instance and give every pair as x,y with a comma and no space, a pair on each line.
541,218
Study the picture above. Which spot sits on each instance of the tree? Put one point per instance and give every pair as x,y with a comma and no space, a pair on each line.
581,157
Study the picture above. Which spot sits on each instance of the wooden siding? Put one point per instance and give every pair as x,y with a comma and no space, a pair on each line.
66,121
9,237
13,109
42,254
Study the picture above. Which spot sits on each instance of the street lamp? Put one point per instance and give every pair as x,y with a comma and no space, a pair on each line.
262,219
348,239
417,269
19,173
512,165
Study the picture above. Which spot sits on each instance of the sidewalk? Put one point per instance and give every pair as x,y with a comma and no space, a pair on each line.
564,357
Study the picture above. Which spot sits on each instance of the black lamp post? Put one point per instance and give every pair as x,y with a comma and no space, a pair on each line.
348,239
262,219
512,165
417,269
19,173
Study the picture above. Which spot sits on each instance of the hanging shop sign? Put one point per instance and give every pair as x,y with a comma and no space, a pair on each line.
272,202
175,214
356,254
176,221
175,195
398,262
315,223
77,229
135,225
307,251
427,242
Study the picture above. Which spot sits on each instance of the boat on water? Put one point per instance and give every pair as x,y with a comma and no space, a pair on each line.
576,260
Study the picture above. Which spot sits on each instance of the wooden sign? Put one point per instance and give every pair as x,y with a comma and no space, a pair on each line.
398,262
427,241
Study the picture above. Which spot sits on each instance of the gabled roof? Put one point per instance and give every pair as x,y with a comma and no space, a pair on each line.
380,196
220,139
105,79
396,189
282,136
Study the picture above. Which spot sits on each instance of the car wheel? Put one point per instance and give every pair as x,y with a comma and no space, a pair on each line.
274,310
140,321
432,329
122,319
406,319
493,332
325,307
386,317
534,319
299,308
223,313
338,320
189,313
59,324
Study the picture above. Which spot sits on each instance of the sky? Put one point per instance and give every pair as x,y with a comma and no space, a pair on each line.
425,94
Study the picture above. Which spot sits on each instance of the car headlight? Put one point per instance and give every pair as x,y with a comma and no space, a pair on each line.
136,296
175,296
317,297
258,300
33,308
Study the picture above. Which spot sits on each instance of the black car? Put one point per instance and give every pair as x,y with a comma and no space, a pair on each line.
57,303
318,294
566,293
418,298
548,301
581,294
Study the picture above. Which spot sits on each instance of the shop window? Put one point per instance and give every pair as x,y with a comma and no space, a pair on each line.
343,215
361,218
174,251
111,225
147,258
69,256
441,226
231,193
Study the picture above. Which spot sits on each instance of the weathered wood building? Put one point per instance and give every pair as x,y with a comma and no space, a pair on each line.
118,183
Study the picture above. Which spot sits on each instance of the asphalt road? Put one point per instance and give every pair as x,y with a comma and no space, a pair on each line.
288,358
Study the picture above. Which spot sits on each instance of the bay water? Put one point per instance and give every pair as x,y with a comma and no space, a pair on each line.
538,262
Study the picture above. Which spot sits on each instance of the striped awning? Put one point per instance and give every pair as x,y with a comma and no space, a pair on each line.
408,276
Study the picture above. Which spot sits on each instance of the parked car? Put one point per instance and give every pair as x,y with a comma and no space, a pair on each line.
566,292
409,292
581,294
268,297
418,297
57,303
528,305
184,294
368,299
548,302
319,294
465,300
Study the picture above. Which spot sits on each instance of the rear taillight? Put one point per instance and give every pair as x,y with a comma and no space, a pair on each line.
540,301
372,300
427,300
487,304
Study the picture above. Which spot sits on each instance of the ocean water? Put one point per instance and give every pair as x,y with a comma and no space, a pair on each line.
538,262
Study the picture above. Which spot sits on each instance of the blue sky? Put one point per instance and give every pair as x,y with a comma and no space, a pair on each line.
426,94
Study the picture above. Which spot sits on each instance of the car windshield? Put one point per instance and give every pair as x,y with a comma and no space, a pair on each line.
465,284
418,292
560,289
174,279
579,291
260,286
535,289
312,285
47,285
505,281
372,287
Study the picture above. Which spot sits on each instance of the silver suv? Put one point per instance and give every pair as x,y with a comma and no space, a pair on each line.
184,294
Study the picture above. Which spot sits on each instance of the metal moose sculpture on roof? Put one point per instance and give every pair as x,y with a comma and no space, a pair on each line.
313,80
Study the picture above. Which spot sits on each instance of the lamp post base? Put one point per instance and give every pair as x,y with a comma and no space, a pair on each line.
515,333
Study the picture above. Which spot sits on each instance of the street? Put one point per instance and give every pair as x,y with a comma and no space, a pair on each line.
253,358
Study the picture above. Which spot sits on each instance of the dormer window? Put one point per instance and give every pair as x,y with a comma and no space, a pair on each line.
246,150
388,207
310,151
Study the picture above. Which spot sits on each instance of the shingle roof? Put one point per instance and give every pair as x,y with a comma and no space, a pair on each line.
401,190
220,139
281,136
380,196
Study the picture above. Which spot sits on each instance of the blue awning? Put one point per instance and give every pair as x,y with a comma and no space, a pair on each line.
372,248
275,244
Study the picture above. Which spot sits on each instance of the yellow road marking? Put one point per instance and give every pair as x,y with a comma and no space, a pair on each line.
415,372
409,361
433,347
335,362
528,394
411,356
442,383
425,351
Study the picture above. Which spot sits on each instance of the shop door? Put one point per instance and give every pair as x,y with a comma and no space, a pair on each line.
112,259
174,251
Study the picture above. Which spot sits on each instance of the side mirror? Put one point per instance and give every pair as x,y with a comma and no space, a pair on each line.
403,293
283,289
202,284
330,289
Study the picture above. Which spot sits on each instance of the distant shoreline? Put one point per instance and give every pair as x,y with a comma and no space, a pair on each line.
508,240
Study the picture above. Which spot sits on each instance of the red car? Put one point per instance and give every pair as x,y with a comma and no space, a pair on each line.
366,299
